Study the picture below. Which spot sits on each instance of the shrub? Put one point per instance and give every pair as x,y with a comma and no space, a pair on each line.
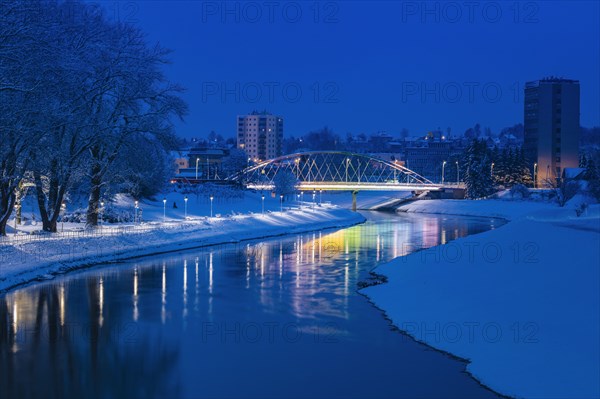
519,191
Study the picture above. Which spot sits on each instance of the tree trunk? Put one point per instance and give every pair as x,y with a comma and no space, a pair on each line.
18,203
41,200
53,221
3,227
6,205
94,200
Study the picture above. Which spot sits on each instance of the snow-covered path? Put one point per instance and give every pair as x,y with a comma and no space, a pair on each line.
26,261
521,302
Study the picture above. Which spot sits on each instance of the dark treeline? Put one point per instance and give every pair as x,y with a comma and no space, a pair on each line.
84,105
487,169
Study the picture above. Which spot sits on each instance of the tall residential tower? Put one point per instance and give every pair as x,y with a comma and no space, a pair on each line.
260,134
551,126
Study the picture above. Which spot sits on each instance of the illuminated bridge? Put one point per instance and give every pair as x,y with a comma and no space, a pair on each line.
333,170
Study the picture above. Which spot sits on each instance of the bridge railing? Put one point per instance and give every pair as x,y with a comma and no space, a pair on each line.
331,167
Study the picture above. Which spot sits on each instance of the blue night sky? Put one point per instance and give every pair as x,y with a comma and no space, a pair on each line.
370,66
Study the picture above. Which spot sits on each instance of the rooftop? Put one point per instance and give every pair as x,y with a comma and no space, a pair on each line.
550,79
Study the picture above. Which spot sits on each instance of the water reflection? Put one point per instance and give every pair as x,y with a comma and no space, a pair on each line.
128,331
53,348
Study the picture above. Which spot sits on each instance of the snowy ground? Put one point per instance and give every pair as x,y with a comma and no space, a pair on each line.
521,302
26,257
225,203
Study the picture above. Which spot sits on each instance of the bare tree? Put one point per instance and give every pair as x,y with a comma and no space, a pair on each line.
21,95
563,189
60,155
235,162
138,102
285,183
78,93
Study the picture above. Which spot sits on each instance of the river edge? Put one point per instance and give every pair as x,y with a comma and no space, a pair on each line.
376,279
386,291
110,250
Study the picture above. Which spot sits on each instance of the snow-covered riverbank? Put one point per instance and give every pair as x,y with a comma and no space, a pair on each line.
521,302
23,261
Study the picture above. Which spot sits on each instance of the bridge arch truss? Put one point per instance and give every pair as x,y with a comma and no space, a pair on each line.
332,169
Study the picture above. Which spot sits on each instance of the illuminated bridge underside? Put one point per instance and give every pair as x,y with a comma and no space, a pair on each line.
353,187
333,170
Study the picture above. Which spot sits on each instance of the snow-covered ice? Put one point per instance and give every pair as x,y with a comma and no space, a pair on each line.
520,302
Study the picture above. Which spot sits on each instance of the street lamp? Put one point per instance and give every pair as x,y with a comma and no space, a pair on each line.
164,210
314,196
63,208
492,170
197,160
211,205
443,170
457,174
101,213
185,200
135,213
320,197
16,211
299,203
263,204
281,202
535,175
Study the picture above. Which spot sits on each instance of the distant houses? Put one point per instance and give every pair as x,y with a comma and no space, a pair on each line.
200,163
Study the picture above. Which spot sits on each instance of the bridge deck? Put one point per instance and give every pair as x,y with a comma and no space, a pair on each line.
350,186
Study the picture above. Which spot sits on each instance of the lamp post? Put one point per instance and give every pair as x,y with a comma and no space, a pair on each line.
63,208
492,170
457,174
197,160
299,203
535,175
301,198
443,170
101,214
281,202
135,213
320,197
211,205
185,200
263,204
16,211
314,196
164,210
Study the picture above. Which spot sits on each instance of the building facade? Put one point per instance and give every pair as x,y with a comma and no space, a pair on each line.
551,120
260,134
427,155
180,160
206,162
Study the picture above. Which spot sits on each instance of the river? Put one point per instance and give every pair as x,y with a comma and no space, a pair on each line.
279,317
